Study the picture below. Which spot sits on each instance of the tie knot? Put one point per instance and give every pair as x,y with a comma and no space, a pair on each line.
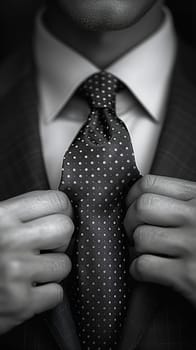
100,90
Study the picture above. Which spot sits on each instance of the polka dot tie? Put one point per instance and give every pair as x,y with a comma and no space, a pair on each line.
98,170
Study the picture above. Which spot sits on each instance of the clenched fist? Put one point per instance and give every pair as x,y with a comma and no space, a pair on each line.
161,222
29,277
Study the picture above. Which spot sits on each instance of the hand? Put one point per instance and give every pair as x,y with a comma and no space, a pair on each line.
161,221
29,281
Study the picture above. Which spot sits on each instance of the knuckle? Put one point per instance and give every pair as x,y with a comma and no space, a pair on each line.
61,266
141,265
8,239
64,228
58,290
7,215
64,264
65,224
185,245
58,265
147,182
55,266
11,269
143,202
60,199
187,214
138,237
3,211
68,265
15,269
190,211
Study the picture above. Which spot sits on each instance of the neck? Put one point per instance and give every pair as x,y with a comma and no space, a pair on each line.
100,47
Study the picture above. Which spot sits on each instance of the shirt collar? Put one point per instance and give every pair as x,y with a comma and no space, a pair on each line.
145,70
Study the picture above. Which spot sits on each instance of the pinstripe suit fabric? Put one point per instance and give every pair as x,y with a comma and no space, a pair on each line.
158,318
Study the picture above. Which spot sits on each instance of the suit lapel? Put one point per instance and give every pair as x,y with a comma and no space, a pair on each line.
62,327
175,157
22,167
176,153
22,170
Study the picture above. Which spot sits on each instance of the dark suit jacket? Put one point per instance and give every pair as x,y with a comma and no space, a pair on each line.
158,318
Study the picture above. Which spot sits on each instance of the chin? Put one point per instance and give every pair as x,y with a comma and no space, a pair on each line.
105,15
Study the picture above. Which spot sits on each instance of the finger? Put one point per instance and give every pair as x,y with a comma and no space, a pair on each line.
165,186
8,220
160,241
33,205
49,268
47,233
156,210
46,297
149,268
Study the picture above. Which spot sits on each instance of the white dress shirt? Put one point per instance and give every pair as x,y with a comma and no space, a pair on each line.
145,70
